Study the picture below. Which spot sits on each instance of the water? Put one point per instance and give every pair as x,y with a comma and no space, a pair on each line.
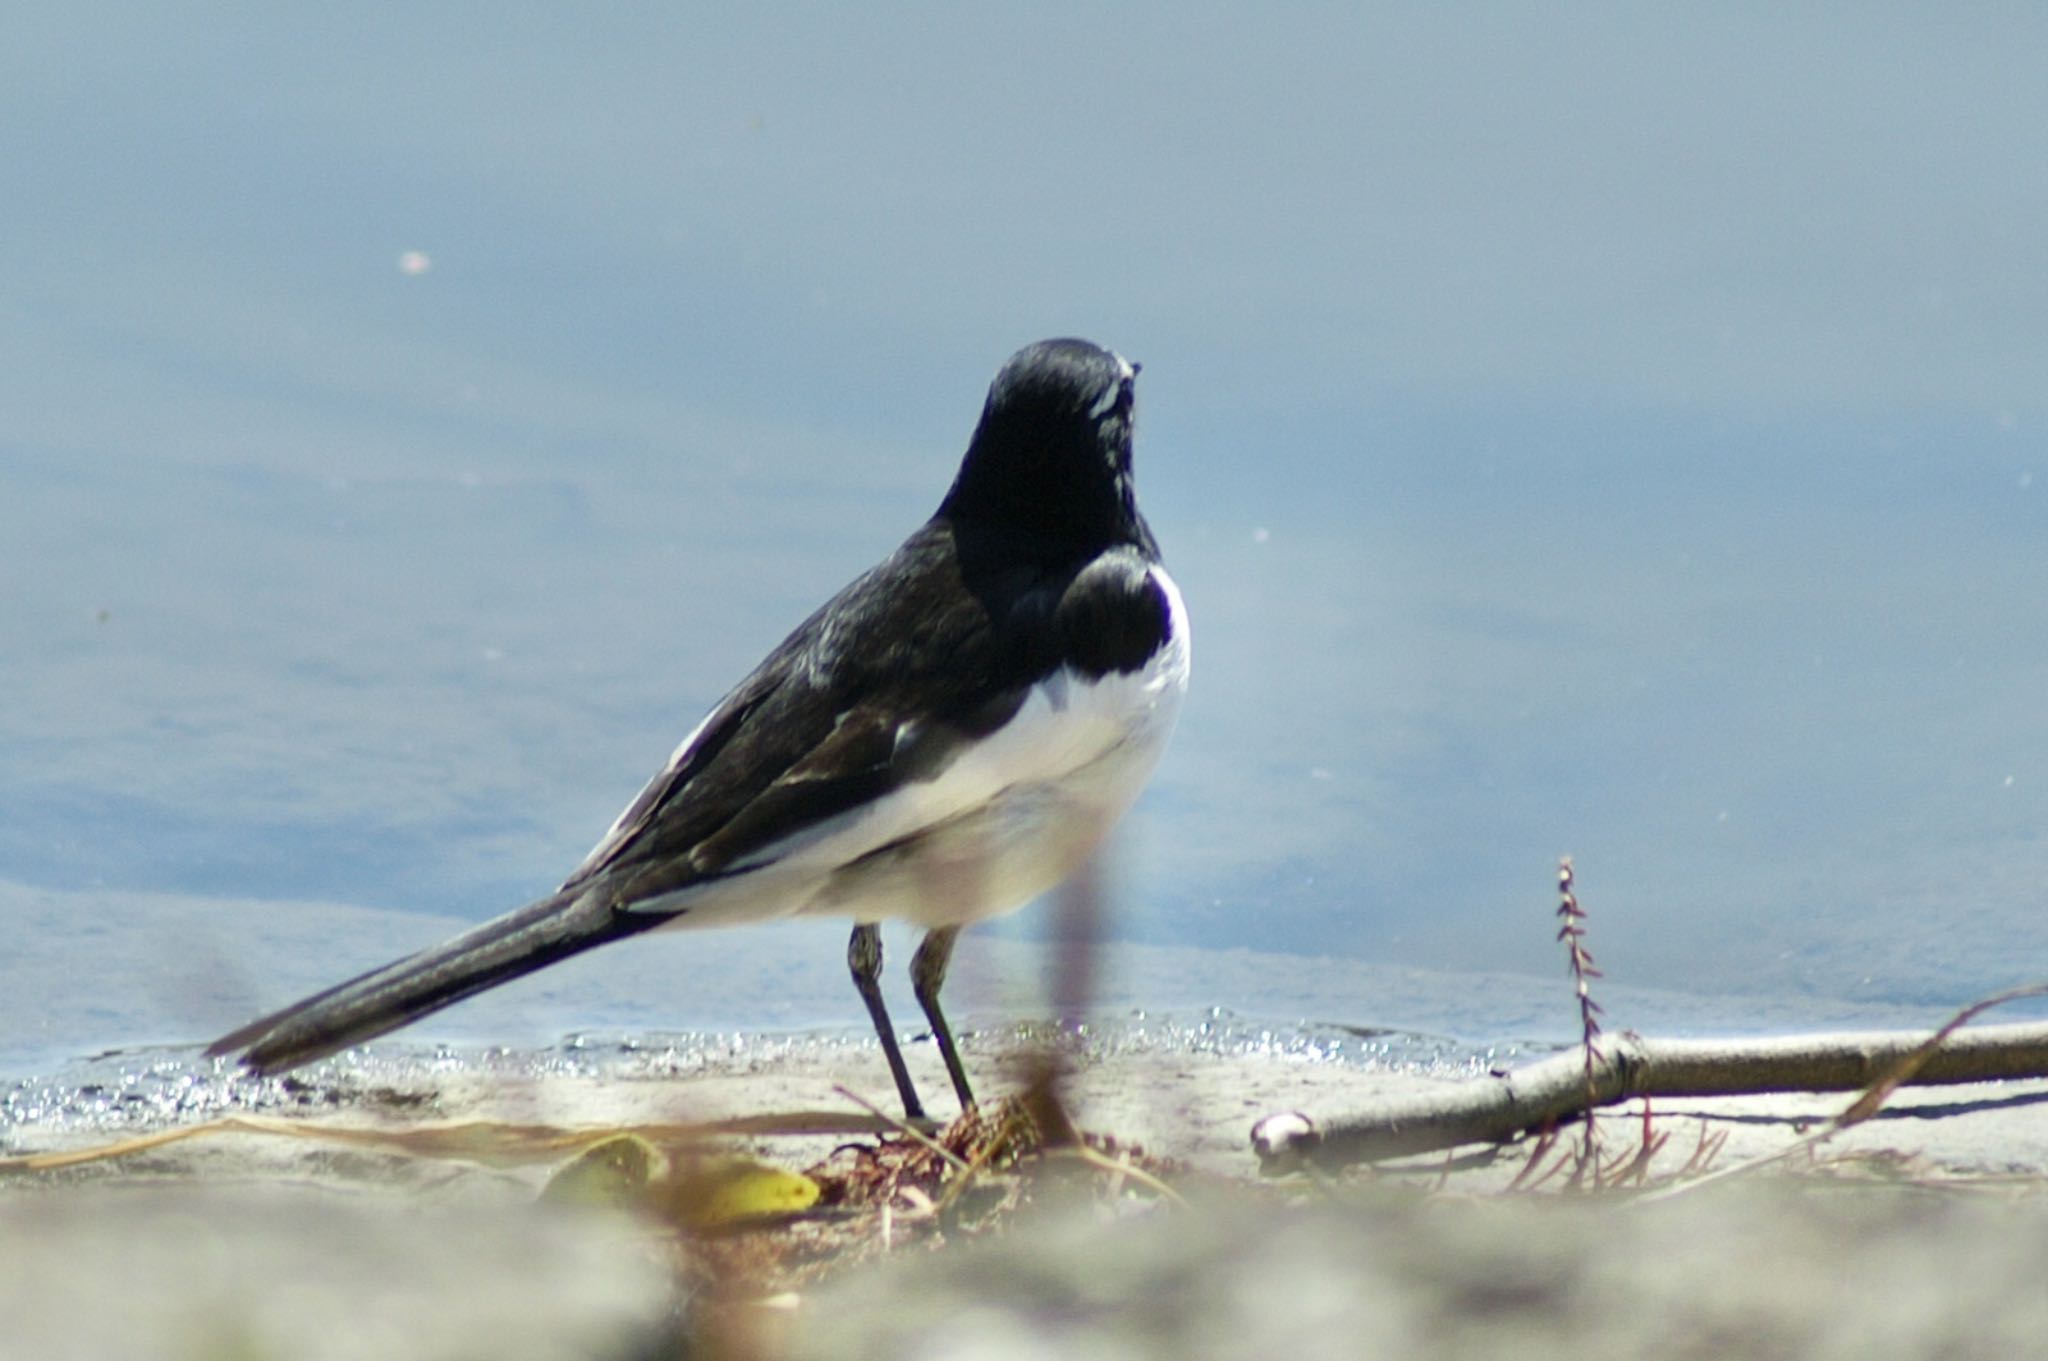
125,1092
1601,434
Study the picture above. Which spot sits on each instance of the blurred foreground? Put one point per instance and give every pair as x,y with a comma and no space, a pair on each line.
407,1205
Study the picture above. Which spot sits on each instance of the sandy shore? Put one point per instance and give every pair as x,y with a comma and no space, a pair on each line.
1921,1230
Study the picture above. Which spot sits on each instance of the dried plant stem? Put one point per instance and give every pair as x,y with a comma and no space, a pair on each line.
485,1141
1120,1167
903,1127
1572,932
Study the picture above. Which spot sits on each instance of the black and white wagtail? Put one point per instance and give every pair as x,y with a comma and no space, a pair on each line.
948,737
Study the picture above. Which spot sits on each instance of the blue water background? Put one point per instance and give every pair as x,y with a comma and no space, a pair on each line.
1600,431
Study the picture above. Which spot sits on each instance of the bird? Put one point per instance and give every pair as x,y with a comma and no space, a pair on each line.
945,739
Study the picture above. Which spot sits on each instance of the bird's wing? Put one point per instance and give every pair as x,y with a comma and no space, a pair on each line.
877,688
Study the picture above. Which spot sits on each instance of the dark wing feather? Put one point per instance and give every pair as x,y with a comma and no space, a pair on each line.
879,686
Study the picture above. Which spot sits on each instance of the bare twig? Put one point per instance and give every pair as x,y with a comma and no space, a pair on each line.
1502,1106
1907,1067
1903,1068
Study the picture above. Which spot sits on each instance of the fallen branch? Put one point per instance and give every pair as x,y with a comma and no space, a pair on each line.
1629,1065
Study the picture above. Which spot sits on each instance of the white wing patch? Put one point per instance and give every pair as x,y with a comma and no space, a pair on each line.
609,842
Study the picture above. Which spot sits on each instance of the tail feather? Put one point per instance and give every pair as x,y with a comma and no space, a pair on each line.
384,999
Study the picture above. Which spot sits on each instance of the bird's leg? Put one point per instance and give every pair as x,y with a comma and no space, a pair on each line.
927,976
864,959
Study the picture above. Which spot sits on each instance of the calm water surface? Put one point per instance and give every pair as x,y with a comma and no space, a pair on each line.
1614,435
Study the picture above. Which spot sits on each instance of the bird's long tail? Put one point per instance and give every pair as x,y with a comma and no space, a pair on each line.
384,999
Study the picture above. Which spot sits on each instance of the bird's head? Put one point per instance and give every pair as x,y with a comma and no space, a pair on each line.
1052,454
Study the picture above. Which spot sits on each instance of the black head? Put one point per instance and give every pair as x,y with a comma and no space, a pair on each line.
1052,455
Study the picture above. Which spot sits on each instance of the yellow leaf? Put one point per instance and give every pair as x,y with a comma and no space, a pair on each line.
712,1191
612,1172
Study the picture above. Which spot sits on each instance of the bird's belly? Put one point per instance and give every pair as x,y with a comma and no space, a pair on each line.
995,857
